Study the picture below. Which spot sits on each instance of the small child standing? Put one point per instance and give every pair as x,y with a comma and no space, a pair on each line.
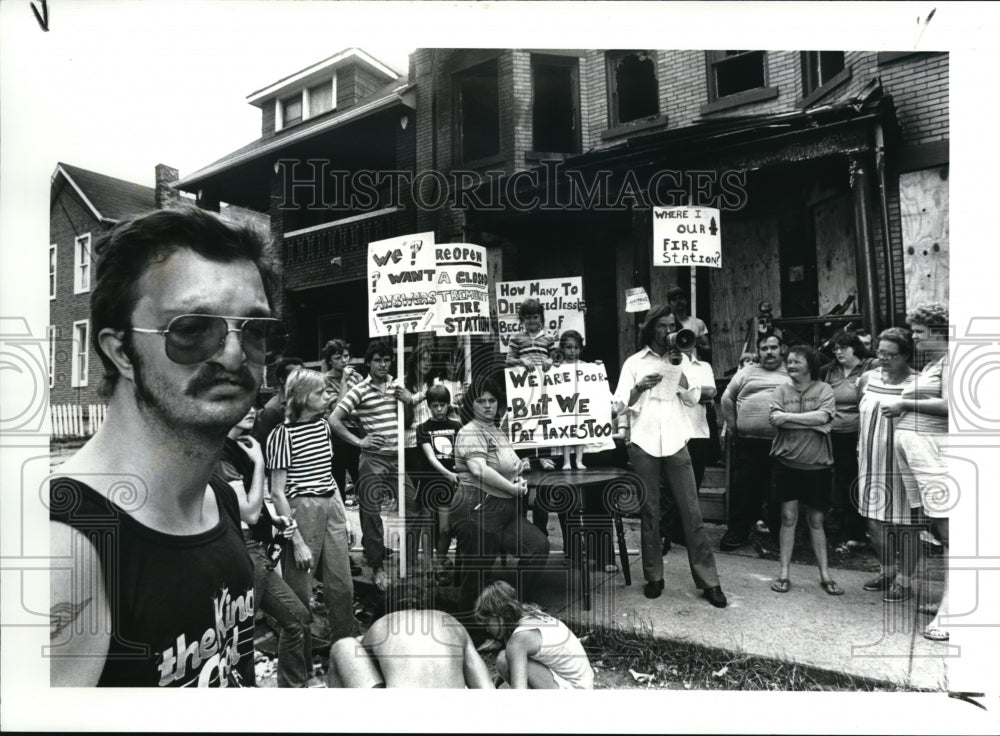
540,651
570,347
436,438
531,348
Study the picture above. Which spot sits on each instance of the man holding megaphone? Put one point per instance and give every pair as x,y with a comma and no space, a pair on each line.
655,391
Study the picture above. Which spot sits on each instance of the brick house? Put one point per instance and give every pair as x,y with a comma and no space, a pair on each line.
323,129
830,169
83,205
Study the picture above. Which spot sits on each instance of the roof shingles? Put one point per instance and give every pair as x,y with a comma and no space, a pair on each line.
114,199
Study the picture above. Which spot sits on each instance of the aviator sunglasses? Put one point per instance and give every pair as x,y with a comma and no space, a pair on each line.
194,338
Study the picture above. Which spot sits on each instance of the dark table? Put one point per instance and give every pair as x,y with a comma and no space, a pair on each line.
592,501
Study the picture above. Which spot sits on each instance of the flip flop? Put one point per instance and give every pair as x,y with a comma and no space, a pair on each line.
781,585
935,634
831,587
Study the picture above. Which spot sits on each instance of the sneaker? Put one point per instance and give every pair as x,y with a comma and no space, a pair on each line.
381,580
897,593
928,609
882,582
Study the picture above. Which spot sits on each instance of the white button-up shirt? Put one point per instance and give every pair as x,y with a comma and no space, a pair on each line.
659,418
699,373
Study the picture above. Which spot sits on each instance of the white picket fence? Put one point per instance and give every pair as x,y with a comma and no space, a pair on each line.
76,420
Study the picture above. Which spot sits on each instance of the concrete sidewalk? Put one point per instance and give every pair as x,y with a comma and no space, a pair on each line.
855,633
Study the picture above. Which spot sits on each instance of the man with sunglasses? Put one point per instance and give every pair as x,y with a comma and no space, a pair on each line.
151,583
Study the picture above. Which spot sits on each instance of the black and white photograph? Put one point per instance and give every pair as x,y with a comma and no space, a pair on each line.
419,345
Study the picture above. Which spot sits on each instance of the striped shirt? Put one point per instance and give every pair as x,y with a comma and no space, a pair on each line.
304,451
339,388
535,349
375,409
930,383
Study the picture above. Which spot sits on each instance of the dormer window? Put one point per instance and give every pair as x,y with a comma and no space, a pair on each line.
321,98
291,110
306,103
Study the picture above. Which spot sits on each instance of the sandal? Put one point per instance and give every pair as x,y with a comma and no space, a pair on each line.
831,587
781,585
935,634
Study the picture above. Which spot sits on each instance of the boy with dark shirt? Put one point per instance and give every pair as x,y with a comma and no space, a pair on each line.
436,437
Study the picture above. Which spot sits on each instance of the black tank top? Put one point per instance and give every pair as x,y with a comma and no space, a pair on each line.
182,607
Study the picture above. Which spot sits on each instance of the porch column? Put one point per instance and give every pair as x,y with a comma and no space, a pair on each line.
861,191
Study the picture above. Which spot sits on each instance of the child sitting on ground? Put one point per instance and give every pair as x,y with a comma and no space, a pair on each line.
540,652
436,439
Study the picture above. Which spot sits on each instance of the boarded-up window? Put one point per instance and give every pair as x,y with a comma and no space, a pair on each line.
836,273
750,275
923,204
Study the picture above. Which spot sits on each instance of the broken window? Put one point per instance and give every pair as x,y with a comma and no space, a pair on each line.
632,88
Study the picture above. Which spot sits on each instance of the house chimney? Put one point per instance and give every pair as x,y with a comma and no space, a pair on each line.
166,196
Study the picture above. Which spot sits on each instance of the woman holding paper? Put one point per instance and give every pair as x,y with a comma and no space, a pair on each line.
655,392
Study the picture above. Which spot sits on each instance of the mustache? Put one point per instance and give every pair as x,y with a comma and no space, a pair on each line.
212,374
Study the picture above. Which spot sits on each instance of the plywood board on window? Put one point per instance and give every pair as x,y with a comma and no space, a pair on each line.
923,200
750,275
836,274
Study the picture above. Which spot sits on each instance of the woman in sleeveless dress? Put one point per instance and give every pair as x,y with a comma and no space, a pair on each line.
881,497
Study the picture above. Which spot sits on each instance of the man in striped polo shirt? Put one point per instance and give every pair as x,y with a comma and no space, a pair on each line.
373,403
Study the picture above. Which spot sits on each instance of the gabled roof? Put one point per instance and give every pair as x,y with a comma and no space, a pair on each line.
108,198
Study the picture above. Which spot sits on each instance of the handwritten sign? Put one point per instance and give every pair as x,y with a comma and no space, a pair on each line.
568,404
636,300
402,294
687,236
463,306
560,298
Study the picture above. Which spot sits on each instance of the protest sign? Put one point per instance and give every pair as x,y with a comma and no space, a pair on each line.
687,236
462,286
560,298
568,404
636,300
403,295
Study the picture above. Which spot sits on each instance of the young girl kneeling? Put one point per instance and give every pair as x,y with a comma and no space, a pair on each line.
541,652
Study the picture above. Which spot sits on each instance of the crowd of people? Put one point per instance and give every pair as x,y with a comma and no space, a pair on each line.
182,315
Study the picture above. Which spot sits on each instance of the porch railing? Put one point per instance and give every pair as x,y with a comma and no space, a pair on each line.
76,420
